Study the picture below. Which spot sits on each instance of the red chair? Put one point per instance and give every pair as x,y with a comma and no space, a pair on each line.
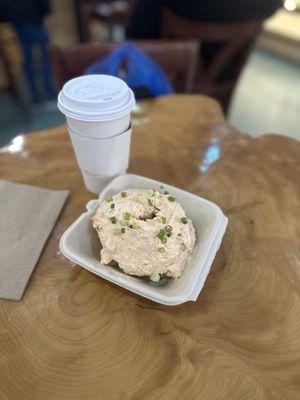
177,59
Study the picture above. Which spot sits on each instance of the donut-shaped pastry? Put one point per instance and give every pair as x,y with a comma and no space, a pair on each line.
145,232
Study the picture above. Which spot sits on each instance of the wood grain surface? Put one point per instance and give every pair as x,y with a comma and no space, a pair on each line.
76,336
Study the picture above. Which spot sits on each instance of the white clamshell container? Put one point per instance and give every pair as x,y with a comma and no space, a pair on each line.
81,245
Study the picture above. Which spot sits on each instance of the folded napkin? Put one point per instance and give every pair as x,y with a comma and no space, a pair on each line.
27,217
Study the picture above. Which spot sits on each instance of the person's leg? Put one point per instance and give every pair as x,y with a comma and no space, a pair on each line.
25,39
46,66
41,42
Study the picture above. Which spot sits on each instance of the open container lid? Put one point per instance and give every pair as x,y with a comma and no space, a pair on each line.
95,98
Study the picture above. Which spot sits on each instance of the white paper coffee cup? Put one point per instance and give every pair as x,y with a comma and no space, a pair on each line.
97,109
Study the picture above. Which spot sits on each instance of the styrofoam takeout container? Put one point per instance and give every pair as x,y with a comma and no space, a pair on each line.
81,245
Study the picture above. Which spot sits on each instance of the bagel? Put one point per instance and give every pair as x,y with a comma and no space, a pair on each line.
145,232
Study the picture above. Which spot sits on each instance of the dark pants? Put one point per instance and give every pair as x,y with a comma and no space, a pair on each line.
34,39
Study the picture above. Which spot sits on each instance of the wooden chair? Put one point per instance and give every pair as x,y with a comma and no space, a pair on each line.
224,51
177,59
108,12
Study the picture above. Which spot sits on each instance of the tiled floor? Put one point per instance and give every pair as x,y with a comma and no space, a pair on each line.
267,99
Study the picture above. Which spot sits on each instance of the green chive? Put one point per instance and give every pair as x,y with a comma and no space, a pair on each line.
113,220
123,223
131,226
112,205
162,236
135,225
166,192
171,198
163,220
127,216
122,230
184,220
161,249
168,230
179,234
108,198
150,202
161,233
123,194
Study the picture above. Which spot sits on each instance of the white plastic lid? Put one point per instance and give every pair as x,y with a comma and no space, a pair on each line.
95,98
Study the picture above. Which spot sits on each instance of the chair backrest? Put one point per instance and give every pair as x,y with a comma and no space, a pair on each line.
177,59
232,43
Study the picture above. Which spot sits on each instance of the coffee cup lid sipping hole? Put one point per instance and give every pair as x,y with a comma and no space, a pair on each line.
95,98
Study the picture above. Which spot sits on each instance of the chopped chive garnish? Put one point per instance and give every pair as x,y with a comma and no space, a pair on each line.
150,202
161,233
168,229
135,225
183,246
127,216
171,198
162,236
123,194
169,234
122,230
166,192
131,226
113,220
179,234
123,223
163,220
112,205
184,220
161,249
108,198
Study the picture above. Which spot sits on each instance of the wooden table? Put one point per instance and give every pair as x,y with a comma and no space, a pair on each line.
76,336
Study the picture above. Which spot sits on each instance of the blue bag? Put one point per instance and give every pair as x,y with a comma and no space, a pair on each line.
140,70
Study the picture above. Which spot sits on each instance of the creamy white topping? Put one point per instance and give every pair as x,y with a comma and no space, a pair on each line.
146,232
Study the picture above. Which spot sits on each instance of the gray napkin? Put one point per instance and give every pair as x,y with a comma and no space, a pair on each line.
27,217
